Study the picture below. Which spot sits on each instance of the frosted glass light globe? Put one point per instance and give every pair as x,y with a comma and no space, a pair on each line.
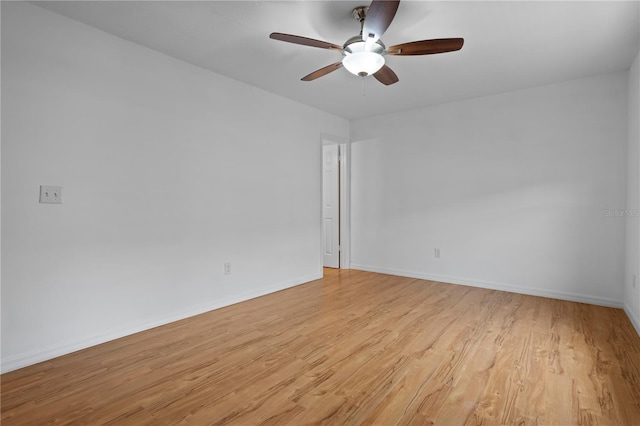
363,63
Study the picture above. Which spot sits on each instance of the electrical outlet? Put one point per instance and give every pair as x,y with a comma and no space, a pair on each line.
50,194
227,268
436,253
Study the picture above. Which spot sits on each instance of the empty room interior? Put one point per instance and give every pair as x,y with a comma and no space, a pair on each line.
320,212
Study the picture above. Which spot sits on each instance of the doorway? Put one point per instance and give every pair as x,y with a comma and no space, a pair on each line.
335,203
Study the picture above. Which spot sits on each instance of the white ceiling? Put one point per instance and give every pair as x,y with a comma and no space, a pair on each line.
509,45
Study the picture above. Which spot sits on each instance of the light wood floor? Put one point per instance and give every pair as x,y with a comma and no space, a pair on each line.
353,348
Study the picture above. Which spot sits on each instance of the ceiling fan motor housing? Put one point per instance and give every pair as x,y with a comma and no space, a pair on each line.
356,44
362,58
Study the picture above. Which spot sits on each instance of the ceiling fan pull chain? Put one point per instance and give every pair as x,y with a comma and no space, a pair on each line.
363,92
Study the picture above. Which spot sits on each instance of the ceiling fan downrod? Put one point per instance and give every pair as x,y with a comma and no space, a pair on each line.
359,14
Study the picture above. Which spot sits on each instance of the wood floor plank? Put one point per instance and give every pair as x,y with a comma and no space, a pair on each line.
401,403
352,348
559,400
461,405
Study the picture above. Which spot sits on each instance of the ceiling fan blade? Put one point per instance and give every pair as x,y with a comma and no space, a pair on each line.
386,76
426,47
322,71
305,41
378,19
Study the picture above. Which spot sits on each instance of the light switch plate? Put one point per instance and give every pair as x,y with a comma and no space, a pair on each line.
51,194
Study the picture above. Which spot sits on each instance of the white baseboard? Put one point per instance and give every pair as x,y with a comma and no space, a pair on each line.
572,297
44,354
632,317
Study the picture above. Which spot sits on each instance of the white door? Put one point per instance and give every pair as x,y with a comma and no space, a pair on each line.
331,206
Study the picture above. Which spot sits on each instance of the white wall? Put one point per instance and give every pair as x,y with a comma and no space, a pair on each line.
167,170
632,264
512,188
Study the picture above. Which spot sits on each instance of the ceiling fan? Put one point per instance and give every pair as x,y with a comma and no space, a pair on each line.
364,54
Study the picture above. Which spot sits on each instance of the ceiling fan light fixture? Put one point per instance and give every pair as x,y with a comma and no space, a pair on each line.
363,54
363,63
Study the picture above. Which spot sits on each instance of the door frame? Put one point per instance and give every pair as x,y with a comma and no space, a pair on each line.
345,195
